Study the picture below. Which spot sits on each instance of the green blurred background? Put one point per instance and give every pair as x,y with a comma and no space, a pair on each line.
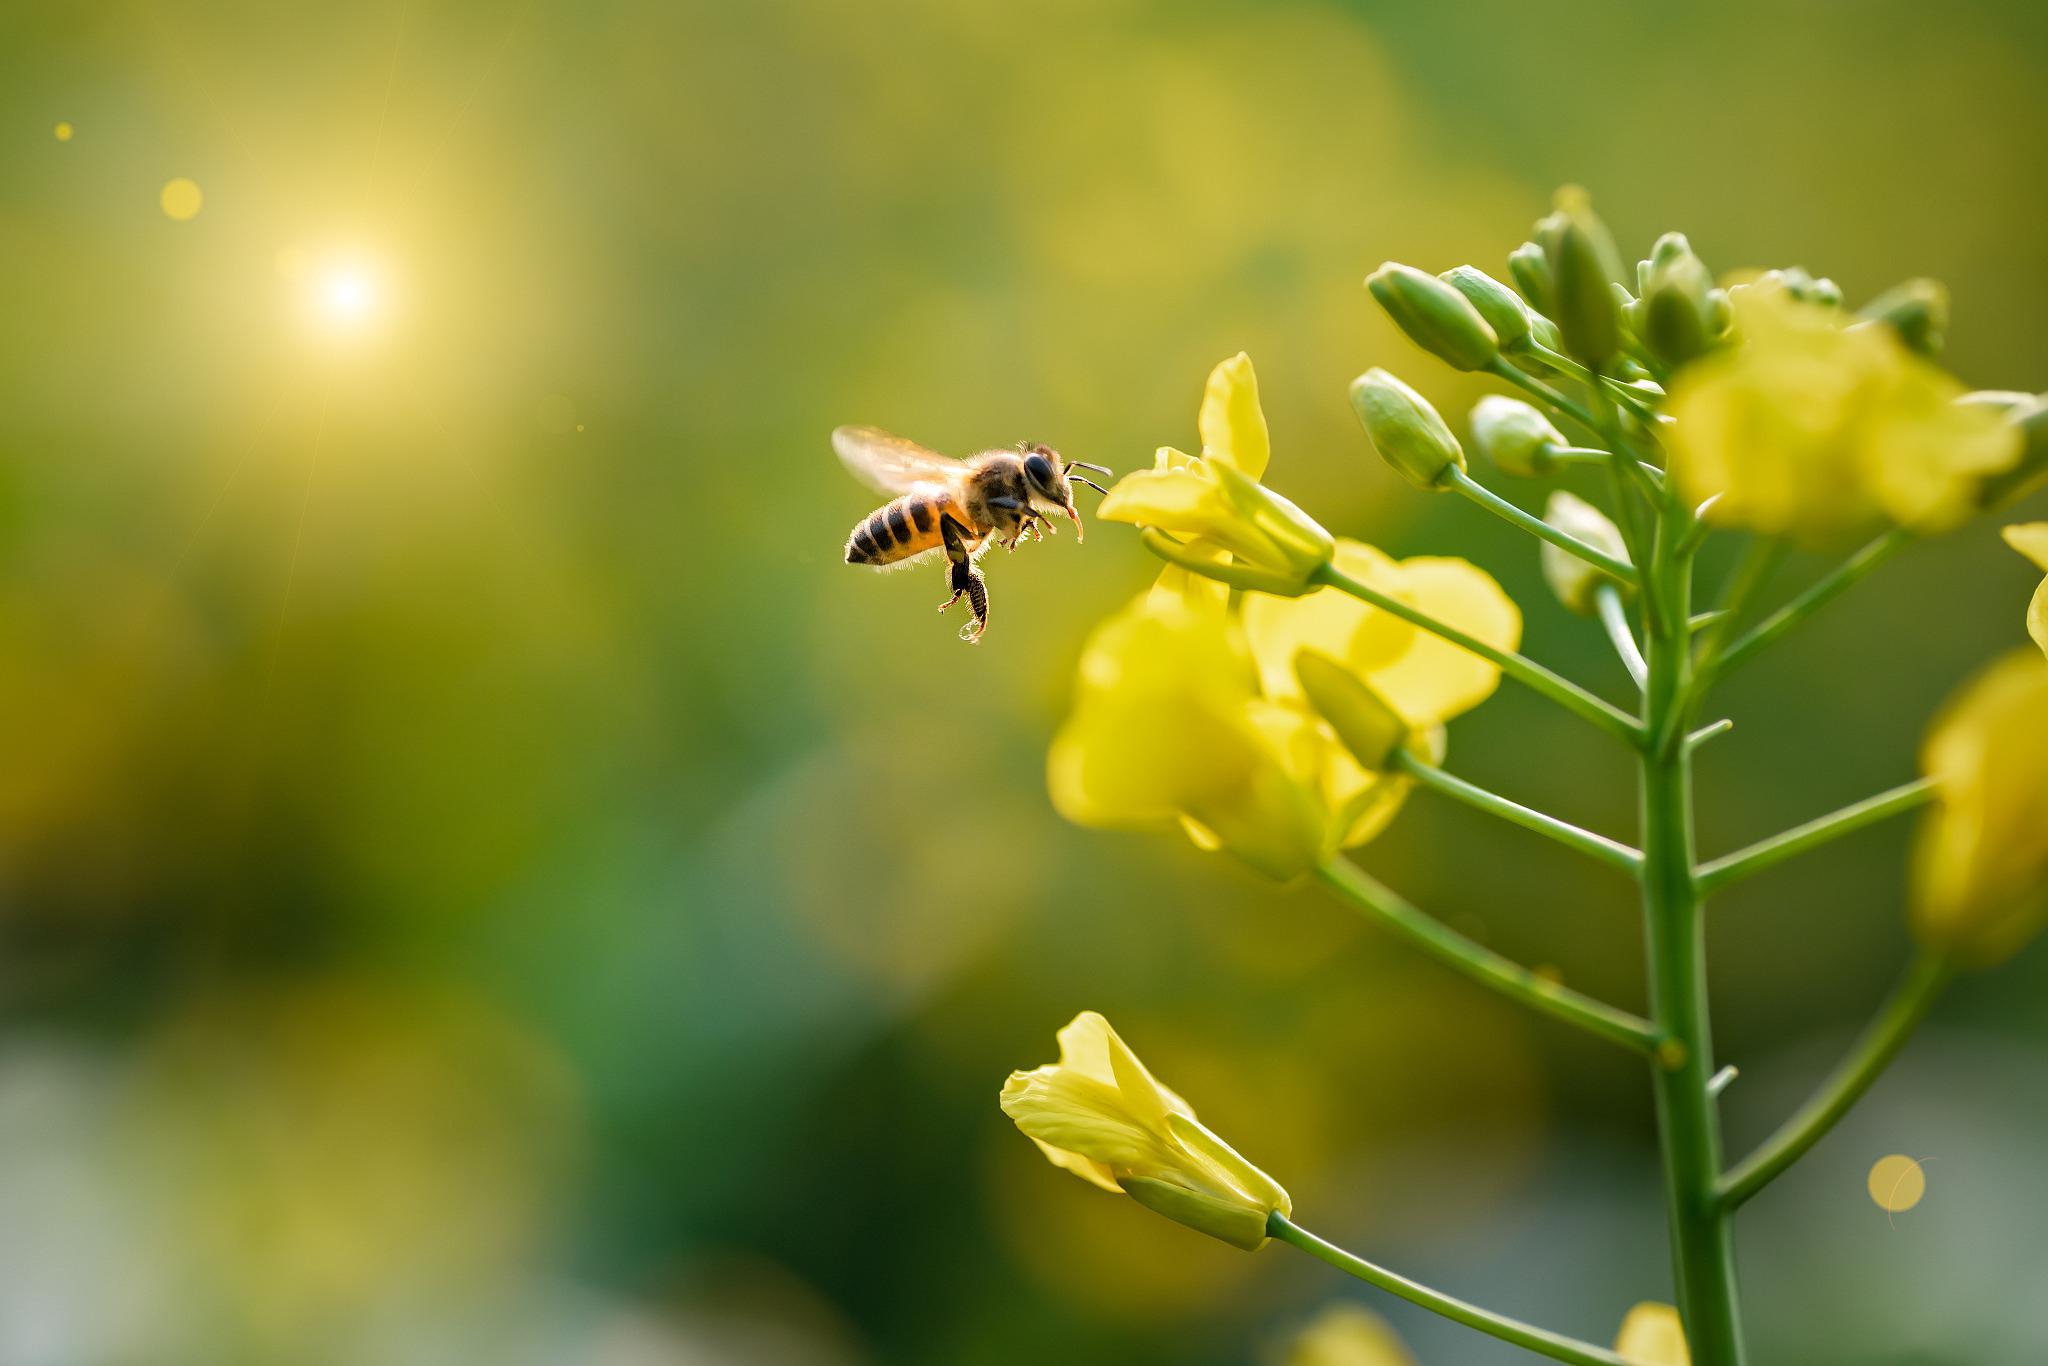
480,880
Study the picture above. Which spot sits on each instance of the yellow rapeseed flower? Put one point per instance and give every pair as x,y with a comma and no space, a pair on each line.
1423,677
1980,865
1101,1115
1168,727
1652,1335
1809,426
1214,503
2031,540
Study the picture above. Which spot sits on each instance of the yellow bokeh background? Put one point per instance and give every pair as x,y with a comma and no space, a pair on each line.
480,879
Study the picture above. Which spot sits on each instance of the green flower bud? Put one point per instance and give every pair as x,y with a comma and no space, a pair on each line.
1530,270
1675,316
1435,316
1917,310
1584,271
1502,308
1369,728
1571,578
1515,436
2030,415
1408,433
1238,1224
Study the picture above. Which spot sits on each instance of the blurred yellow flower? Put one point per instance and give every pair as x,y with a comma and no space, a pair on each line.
1423,677
1100,1115
1809,426
1348,1335
2031,540
1652,1335
1169,727
1980,866
1214,503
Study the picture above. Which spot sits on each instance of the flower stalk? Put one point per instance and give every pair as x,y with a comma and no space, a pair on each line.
1539,1340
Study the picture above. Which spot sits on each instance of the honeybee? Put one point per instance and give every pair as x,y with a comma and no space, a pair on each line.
959,507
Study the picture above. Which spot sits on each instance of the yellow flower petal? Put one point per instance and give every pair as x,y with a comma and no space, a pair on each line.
1652,1335
1434,680
1232,424
1980,861
2031,540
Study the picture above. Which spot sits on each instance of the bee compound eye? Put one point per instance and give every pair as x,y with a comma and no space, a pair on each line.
1039,470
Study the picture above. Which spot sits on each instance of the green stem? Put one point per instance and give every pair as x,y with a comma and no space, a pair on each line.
1613,853
1806,604
1688,1123
1880,1043
1571,369
1528,521
1538,1340
1523,670
1614,616
1538,390
1380,903
1765,853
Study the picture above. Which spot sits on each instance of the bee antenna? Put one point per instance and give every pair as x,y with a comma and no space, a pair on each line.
1084,479
1073,465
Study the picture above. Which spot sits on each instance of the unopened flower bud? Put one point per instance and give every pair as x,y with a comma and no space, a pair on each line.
1571,578
1407,432
1675,316
1530,270
1502,308
1363,721
1515,436
1917,310
1584,272
1435,316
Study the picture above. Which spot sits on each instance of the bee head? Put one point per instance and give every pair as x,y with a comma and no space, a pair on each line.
1047,475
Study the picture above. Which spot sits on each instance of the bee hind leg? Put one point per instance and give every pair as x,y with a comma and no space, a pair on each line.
964,579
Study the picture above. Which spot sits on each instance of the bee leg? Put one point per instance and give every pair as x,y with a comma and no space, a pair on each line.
964,579
1021,515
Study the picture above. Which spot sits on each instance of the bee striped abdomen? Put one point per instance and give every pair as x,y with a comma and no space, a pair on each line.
897,530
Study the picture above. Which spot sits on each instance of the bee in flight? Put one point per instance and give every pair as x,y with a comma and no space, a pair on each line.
960,507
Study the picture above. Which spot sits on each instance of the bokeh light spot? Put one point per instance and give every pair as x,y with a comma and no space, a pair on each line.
1897,1183
63,132
181,199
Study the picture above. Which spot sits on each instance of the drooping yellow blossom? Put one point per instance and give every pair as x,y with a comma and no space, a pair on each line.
1169,726
1980,864
1423,677
1100,1115
1348,1335
1214,503
1652,1335
2031,540
1809,427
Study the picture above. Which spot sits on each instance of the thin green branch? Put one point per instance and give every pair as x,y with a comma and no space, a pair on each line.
1528,521
1614,616
1522,669
1613,853
1383,905
1875,553
1708,732
1539,390
1730,868
1874,1051
1539,1340
1571,369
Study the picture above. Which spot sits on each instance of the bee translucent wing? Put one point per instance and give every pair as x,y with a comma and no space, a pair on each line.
891,464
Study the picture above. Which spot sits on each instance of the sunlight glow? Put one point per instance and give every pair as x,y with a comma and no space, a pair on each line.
344,296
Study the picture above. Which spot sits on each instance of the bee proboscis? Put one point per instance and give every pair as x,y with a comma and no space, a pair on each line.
956,507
